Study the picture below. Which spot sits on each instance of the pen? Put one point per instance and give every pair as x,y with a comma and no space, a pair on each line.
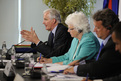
54,72
39,57
60,71
87,77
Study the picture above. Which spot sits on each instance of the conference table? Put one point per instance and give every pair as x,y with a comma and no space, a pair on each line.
20,71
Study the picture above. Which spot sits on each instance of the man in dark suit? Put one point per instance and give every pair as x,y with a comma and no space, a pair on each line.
108,61
59,40
116,36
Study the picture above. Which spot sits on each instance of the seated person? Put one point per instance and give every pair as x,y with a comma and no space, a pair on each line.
108,61
83,44
59,40
116,36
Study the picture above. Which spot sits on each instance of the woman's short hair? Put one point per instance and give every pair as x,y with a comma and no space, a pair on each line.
54,14
79,21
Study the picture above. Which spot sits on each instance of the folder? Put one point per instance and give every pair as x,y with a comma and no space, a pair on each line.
24,49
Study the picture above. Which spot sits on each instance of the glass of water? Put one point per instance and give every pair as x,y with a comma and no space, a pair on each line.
27,68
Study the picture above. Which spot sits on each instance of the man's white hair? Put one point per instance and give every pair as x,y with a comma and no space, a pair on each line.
79,21
53,13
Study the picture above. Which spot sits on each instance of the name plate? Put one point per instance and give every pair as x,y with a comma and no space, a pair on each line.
7,68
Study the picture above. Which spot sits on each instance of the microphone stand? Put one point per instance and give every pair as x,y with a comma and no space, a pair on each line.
9,53
2,65
20,61
21,42
35,74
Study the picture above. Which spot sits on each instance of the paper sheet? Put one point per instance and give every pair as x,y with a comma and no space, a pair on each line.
38,65
52,67
57,68
67,77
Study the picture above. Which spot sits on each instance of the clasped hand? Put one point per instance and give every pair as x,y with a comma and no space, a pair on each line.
44,60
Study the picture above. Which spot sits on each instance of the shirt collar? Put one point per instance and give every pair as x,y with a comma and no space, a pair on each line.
54,30
106,40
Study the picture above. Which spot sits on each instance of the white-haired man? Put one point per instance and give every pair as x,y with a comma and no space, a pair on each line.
59,39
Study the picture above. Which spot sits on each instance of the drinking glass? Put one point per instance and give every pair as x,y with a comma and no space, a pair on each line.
27,68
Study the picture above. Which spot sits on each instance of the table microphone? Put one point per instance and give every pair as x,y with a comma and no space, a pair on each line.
8,55
35,74
20,60
21,42
9,52
2,65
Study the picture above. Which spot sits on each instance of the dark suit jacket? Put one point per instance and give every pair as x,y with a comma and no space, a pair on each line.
115,78
108,64
62,42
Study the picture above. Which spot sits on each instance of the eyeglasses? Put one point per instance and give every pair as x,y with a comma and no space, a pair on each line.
71,28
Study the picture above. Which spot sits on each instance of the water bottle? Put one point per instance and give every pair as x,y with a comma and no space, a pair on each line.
45,77
31,61
13,55
4,49
27,68
44,69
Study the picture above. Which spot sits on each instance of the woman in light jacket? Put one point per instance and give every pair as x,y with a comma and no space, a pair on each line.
83,44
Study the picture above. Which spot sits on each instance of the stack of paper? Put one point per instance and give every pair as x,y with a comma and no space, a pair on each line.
69,77
38,65
58,68
53,68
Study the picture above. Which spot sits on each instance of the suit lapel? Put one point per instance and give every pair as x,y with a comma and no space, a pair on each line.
49,40
108,45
